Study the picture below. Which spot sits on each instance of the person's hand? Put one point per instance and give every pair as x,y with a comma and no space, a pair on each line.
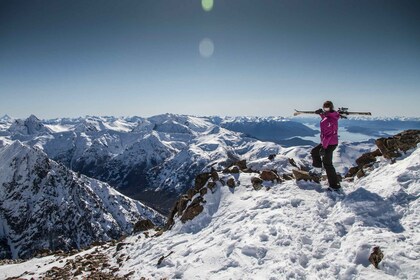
322,152
319,111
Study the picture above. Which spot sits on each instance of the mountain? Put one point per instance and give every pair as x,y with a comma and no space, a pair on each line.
156,159
44,205
278,130
263,229
5,123
153,160
368,126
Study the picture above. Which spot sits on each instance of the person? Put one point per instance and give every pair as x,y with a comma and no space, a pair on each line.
322,154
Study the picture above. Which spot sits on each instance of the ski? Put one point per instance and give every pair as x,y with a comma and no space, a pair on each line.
343,112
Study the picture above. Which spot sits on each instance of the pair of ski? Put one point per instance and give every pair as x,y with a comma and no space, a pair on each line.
344,112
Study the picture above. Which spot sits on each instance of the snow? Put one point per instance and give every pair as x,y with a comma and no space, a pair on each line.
295,231
292,230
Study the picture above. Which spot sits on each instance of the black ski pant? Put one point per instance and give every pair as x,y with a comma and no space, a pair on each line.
317,161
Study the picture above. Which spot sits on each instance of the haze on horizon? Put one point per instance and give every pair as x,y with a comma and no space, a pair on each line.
233,57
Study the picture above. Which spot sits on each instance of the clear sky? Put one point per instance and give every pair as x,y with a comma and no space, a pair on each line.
62,58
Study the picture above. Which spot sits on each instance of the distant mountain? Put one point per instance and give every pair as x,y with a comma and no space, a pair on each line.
44,205
156,159
152,160
369,126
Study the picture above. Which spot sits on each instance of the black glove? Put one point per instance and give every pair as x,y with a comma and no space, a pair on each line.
319,111
322,152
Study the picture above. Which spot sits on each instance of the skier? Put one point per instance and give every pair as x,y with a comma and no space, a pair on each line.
323,153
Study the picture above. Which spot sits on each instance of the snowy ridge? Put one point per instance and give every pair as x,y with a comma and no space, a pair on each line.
43,205
292,230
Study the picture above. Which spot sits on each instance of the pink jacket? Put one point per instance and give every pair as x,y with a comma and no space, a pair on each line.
329,128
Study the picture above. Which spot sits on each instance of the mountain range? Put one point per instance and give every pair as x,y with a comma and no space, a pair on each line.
57,174
253,221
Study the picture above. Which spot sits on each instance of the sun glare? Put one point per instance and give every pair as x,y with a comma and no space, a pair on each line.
207,5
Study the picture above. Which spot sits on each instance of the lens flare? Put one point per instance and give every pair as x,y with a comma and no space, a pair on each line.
206,48
207,5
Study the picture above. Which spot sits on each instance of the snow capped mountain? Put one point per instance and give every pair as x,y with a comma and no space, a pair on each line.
153,159
156,159
262,229
30,126
44,205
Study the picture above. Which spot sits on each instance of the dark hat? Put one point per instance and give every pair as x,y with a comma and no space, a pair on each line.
328,104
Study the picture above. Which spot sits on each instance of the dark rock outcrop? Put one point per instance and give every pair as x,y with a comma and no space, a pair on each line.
270,175
190,205
392,147
193,210
231,182
256,183
389,148
143,225
376,256
368,158
304,175
201,180
236,167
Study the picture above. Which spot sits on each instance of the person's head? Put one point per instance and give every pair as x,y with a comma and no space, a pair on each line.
328,106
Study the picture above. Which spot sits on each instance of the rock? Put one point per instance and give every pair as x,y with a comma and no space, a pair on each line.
241,164
287,177
203,191
232,170
201,180
120,246
182,204
272,156
293,162
390,147
212,186
304,175
193,210
214,175
376,256
256,183
360,173
352,172
231,183
178,209
143,225
129,274
78,272
367,158
162,258
191,193
98,243
269,175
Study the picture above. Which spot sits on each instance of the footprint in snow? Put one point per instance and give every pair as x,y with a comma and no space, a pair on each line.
256,252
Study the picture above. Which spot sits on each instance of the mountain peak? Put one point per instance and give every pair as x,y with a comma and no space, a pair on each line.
6,118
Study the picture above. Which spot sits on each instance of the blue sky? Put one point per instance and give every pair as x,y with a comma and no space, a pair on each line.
74,58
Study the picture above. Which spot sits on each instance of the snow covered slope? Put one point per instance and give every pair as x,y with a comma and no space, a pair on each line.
291,230
43,205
